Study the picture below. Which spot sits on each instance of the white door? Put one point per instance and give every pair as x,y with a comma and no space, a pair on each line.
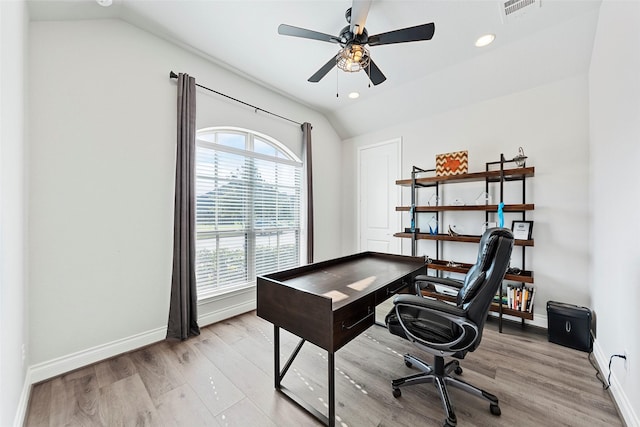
378,195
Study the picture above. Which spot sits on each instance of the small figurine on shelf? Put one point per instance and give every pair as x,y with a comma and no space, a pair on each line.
413,218
456,230
433,226
413,228
520,159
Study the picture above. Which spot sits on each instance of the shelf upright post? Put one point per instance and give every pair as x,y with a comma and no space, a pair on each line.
439,244
524,217
412,211
414,170
524,213
486,189
500,310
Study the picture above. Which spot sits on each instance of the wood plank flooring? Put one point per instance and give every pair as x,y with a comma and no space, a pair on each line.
224,377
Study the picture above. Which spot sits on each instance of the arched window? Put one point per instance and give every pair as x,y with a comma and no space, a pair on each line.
248,208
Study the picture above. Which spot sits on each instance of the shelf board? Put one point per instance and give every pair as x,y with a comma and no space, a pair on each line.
446,237
485,208
509,175
510,312
525,276
495,307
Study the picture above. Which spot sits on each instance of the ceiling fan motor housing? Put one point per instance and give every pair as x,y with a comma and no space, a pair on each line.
347,38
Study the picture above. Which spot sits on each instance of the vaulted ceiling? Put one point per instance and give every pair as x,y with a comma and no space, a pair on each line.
544,42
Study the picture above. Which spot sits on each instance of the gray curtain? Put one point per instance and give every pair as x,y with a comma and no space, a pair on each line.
183,316
306,146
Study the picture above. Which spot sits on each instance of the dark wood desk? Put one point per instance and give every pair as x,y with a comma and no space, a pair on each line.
330,303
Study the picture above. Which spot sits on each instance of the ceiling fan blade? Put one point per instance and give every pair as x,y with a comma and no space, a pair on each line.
410,34
323,70
290,30
374,73
359,12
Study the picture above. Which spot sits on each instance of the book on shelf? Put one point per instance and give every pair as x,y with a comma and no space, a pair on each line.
505,299
517,297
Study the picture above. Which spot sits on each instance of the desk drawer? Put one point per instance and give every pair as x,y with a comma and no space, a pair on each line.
393,288
352,319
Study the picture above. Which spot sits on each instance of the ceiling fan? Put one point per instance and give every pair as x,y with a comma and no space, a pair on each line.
354,39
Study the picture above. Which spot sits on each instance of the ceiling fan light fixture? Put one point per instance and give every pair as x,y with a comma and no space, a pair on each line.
485,40
353,58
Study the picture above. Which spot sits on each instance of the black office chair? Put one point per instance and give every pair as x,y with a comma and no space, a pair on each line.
444,329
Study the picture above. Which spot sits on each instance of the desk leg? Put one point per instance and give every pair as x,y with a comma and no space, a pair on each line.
279,375
332,389
276,356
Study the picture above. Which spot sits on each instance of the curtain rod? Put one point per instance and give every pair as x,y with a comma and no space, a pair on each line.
173,75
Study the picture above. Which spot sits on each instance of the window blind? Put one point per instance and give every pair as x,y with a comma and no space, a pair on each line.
248,210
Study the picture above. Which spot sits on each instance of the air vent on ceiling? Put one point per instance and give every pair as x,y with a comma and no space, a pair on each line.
514,9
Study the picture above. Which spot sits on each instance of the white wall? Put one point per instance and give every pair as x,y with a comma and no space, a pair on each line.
101,184
614,89
13,294
551,123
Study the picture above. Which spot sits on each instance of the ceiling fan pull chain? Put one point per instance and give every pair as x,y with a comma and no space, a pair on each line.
337,96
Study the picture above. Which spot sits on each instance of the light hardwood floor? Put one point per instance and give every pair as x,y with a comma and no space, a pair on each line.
224,377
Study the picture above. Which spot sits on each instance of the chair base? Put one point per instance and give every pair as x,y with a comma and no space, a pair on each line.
440,375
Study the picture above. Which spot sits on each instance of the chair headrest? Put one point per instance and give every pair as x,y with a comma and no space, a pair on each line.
478,273
487,245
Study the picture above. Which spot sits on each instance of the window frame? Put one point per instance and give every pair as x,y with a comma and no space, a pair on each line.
283,155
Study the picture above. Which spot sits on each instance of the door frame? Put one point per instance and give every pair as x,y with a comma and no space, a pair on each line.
398,222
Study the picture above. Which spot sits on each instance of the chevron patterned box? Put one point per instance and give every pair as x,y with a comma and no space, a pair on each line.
455,163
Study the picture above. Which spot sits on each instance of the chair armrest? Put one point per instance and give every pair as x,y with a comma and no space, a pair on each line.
452,283
449,314
423,281
429,304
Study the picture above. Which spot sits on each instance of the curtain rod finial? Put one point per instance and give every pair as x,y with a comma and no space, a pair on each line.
172,75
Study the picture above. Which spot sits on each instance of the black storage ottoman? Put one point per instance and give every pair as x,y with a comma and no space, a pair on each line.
570,325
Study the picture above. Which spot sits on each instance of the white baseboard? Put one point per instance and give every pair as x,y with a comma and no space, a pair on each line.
23,403
617,392
60,365
539,320
226,313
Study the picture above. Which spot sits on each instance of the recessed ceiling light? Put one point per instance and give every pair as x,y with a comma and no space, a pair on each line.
354,95
104,3
485,40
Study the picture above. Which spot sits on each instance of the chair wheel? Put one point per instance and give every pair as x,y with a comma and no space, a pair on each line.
495,409
397,393
408,364
458,370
